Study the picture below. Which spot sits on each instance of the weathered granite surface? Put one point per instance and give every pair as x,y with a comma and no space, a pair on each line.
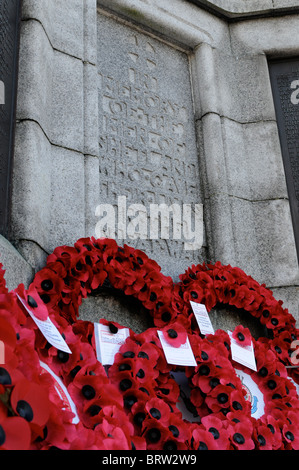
92,75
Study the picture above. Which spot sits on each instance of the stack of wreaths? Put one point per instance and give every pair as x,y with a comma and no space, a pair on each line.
133,403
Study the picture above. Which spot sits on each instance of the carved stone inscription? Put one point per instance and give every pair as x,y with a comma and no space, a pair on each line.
285,85
146,129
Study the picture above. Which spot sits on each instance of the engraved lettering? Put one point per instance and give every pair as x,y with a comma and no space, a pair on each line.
147,139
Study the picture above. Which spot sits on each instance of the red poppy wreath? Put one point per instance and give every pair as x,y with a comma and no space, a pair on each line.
50,398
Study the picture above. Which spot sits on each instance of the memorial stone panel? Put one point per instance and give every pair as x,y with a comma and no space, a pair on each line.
9,40
147,142
285,85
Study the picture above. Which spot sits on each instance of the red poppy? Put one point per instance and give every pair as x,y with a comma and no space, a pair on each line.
85,439
150,297
9,375
113,325
194,292
219,397
284,404
242,335
205,376
216,427
81,271
175,334
138,415
164,315
197,398
30,401
3,288
49,284
85,388
64,364
281,345
136,394
28,361
266,361
12,312
124,380
88,254
148,351
243,296
121,364
93,409
84,244
168,391
138,443
136,285
273,386
33,302
120,278
158,410
223,282
113,439
116,415
99,277
15,434
203,439
59,432
210,348
273,425
144,370
263,436
291,436
179,428
221,340
155,433
128,350
7,334
241,436
143,259
65,254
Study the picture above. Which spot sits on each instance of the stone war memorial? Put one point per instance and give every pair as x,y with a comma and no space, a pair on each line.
149,226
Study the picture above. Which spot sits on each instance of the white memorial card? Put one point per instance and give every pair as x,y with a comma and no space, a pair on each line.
202,318
253,394
62,392
107,343
182,356
242,354
49,330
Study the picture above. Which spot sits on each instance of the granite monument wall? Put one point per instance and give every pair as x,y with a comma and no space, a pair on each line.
154,102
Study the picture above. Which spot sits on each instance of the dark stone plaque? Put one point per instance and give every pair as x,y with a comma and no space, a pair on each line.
10,11
284,76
